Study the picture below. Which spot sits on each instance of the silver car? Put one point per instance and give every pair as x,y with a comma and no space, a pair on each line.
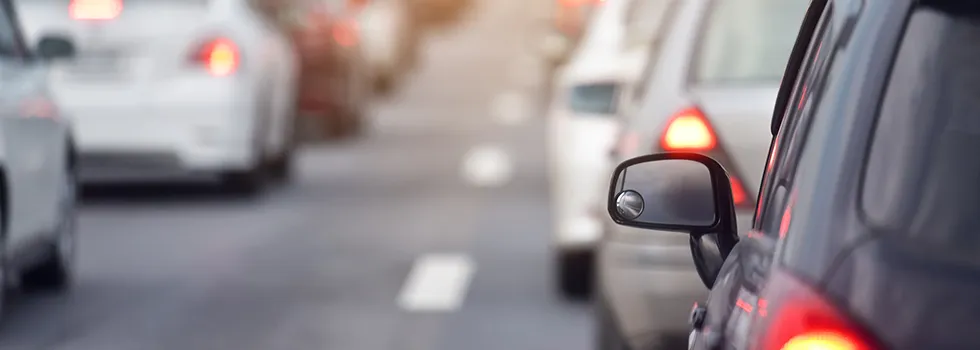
711,90
37,164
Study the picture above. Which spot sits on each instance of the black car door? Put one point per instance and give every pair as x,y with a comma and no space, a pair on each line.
734,299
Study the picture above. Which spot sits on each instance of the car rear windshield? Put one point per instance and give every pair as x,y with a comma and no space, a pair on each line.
747,40
597,98
922,181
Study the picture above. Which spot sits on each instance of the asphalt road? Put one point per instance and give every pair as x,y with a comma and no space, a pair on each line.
452,170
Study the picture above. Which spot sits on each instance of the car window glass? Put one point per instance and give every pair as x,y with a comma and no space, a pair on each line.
9,45
600,98
922,181
724,56
786,146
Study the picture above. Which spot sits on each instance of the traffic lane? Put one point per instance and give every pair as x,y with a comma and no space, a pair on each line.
313,264
316,263
513,303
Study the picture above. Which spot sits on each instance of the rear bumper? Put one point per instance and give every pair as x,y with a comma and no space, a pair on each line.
187,129
648,279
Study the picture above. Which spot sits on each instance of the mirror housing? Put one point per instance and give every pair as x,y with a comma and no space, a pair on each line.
692,191
679,191
53,47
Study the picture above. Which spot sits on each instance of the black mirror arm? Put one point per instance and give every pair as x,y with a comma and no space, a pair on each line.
727,230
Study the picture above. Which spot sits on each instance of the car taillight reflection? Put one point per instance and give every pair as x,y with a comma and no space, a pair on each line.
738,192
220,57
95,9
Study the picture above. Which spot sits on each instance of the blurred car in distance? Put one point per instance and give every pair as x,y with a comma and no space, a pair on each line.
710,90
390,41
334,91
865,232
567,23
164,88
37,165
583,120
438,14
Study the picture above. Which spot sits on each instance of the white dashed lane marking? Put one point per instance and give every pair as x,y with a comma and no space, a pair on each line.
437,283
487,166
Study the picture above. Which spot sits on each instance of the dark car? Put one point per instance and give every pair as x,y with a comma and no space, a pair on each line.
334,88
865,234
333,91
709,88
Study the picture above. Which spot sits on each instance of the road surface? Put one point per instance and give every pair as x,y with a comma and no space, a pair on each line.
430,233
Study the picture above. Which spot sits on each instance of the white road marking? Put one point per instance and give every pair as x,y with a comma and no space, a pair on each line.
437,282
487,166
510,108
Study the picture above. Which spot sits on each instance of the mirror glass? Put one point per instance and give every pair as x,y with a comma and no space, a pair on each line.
55,47
666,192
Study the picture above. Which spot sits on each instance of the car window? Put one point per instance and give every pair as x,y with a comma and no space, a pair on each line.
10,45
598,98
724,55
921,186
787,146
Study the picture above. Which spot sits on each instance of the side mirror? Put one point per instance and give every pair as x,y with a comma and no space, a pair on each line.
684,192
55,47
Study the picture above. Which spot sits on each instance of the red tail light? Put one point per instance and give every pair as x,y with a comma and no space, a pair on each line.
688,131
738,192
220,57
95,9
798,318
345,33
38,108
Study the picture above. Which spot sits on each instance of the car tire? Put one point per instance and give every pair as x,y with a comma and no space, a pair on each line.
56,272
249,182
607,336
281,169
574,272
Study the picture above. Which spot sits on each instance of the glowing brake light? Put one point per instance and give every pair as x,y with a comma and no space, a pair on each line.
220,57
738,193
38,108
820,341
688,131
345,33
95,9
798,318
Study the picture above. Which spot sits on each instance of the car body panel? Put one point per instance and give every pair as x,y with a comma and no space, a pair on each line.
35,147
152,101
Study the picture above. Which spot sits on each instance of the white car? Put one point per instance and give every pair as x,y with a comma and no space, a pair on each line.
37,165
593,92
389,41
164,88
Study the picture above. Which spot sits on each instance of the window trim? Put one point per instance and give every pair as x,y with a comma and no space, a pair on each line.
781,154
23,51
